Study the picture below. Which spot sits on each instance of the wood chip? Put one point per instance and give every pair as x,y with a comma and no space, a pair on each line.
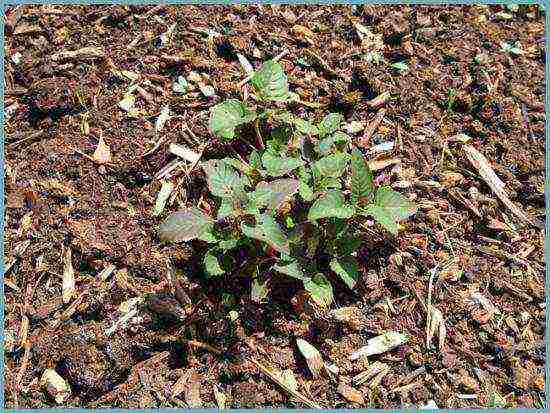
280,382
313,358
487,173
351,394
55,385
193,390
68,284
383,163
84,53
380,344
374,369
221,398
102,153
184,152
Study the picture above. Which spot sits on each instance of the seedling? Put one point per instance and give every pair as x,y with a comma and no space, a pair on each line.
294,207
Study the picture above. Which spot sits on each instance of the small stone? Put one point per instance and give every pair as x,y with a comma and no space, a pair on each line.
351,394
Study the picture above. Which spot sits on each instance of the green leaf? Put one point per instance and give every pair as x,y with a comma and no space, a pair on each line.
181,86
389,208
211,264
270,82
347,244
267,230
362,185
330,124
330,204
401,67
305,191
223,181
226,116
279,138
276,165
347,269
327,183
305,127
259,291
226,208
332,165
184,225
325,145
228,244
255,160
292,269
209,235
319,289
273,194
237,164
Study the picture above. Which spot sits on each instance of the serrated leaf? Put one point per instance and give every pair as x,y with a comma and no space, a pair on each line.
330,124
223,181
292,269
270,82
184,225
319,289
332,165
267,230
273,194
347,269
362,185
389,208
330,204
226,116
276,165
211,264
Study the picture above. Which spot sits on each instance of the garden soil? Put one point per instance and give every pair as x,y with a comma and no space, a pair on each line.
143,326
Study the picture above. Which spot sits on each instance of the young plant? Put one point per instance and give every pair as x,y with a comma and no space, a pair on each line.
296,205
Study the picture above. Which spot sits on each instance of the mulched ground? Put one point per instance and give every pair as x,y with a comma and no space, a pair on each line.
487,266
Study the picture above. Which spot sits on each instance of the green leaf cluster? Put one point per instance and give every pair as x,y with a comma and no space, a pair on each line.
296,205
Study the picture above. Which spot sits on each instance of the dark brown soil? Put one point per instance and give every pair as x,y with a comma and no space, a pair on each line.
183,348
